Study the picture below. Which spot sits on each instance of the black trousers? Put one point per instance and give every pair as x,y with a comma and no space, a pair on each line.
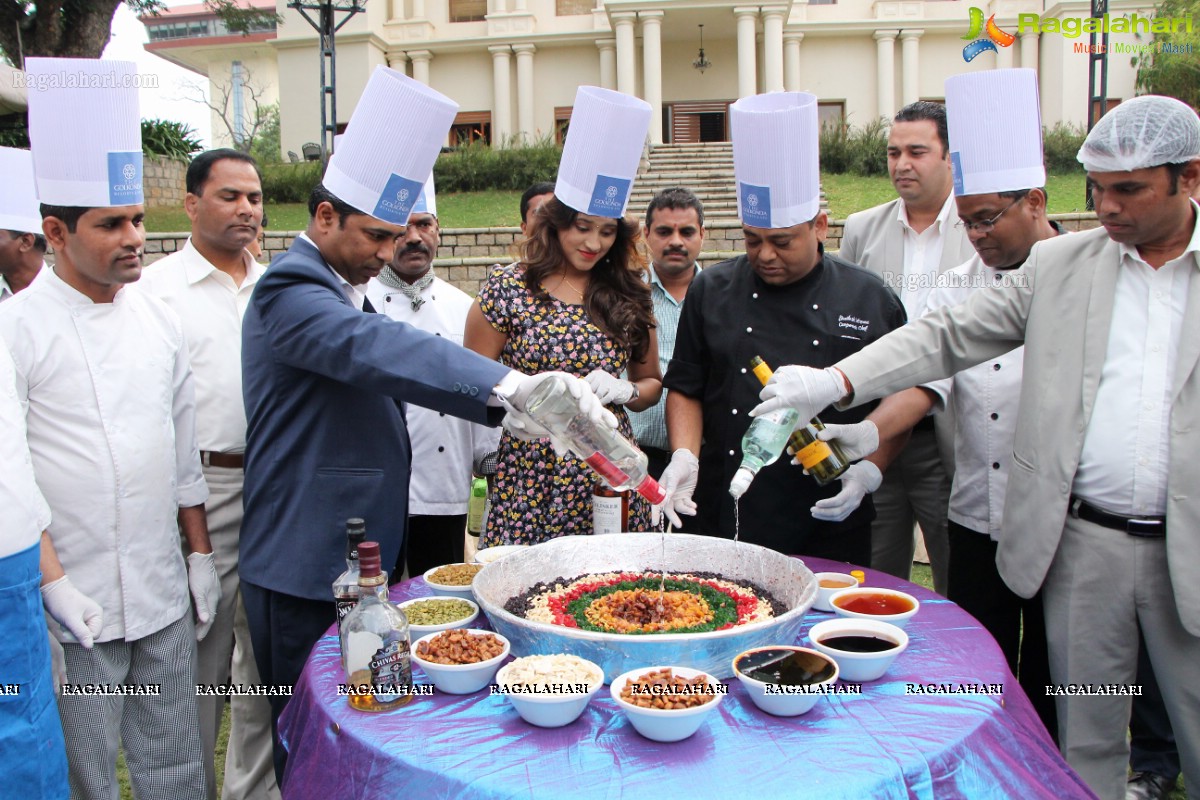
1017,624
283,630
433,540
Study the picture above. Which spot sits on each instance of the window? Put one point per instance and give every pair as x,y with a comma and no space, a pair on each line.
468,10
822,2
470,127
1099,111
831,112
571,8
562,121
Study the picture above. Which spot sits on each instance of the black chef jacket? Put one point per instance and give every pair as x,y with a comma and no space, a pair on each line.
730,316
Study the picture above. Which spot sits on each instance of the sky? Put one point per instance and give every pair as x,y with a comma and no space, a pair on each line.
175,84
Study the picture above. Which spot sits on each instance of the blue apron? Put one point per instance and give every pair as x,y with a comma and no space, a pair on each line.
33,758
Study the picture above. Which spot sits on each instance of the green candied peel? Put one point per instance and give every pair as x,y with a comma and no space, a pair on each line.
723,606
437,611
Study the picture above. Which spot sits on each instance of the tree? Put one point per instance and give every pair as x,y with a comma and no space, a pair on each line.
81,28
244,127
1172,66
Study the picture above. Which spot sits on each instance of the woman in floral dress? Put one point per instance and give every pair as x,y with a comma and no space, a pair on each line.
577,303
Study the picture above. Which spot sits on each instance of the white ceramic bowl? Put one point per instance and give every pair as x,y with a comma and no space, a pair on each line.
859,667
460,678
421,630
550,710
900,619
787,700
663,725
823,593
489,554
446,589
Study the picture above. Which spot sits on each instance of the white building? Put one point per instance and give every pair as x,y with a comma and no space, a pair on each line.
513,65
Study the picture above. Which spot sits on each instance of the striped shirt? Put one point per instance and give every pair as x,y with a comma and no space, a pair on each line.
650,426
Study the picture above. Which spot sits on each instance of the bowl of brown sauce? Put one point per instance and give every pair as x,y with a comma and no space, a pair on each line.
881,605
864,649
785,680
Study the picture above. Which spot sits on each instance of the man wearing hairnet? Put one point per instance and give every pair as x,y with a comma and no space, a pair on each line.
1104,459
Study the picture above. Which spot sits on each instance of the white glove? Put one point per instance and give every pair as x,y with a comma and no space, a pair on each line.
206,590
610,390
857,441
678,482
522,426
857,482
79,614
806,389
58,663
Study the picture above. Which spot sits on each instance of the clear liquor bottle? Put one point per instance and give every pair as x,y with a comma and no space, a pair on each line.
375,644
345,588
763,443
825,461
613,457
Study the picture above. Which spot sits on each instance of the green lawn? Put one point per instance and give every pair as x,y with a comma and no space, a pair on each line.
849,193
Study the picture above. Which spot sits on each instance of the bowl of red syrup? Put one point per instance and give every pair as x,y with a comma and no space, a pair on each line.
883,605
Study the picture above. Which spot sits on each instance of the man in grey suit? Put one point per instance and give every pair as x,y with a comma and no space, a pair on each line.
910,241
1108,427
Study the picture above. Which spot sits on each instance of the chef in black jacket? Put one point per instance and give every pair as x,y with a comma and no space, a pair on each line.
789,302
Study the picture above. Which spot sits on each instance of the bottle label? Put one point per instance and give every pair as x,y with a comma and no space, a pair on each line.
813,453
391,671
763,373
606,514
344,606
606,469
476,505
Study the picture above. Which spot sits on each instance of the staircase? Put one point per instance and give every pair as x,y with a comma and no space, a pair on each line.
705,168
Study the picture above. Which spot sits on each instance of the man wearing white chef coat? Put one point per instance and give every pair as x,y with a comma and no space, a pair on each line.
103,377
22,245
446,450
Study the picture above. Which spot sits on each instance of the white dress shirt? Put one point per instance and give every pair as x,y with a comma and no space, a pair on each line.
23,511
210,306
444,448
110,411
985,400
922,257
355,294
1123,466
5,290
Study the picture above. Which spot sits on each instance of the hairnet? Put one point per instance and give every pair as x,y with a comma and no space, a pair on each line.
1147,131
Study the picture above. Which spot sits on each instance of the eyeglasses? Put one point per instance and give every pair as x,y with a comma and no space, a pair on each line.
984,227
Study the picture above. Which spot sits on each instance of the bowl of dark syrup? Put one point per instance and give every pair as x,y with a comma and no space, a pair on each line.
862,648
785,680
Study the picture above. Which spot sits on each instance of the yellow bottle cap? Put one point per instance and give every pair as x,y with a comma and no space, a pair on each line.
858,575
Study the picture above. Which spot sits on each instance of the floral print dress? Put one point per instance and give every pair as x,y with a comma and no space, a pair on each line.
537,496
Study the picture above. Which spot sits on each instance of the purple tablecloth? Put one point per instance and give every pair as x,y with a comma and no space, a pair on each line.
884,743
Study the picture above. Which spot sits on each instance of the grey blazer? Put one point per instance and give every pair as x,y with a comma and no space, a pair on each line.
875,240
1060,306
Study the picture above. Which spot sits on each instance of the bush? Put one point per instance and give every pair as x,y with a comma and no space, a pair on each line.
1060,145
289,183
475,167
163,137
860,151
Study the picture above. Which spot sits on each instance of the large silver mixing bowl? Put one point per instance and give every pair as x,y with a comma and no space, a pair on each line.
792,583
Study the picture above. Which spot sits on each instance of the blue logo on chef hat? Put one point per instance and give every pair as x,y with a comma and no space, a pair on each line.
608,196
756,205
396,200
125,178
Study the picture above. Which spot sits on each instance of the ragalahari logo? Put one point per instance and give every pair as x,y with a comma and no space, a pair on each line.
984,38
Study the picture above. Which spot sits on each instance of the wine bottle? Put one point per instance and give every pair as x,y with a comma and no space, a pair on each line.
825,461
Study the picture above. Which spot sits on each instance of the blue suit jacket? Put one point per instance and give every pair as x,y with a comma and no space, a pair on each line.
325,440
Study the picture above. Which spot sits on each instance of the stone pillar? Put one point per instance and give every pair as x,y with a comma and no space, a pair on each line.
791,61
626,52
396,10
398,61
418,9
608,63
1005,57
501,95
525,126
1029,50
773,48
747,58
885,72
521,7
910,58
652,70
420,61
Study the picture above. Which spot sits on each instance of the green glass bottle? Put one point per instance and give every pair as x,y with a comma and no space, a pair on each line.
825,461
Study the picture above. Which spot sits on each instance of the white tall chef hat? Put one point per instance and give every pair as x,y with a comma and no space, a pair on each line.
427,199
603,150
1147,131
995,126
775,158
19,200
390,144
103,168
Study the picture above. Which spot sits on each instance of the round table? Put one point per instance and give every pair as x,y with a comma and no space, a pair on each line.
892,740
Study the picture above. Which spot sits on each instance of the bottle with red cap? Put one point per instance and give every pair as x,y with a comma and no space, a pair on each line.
613,457
375,644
